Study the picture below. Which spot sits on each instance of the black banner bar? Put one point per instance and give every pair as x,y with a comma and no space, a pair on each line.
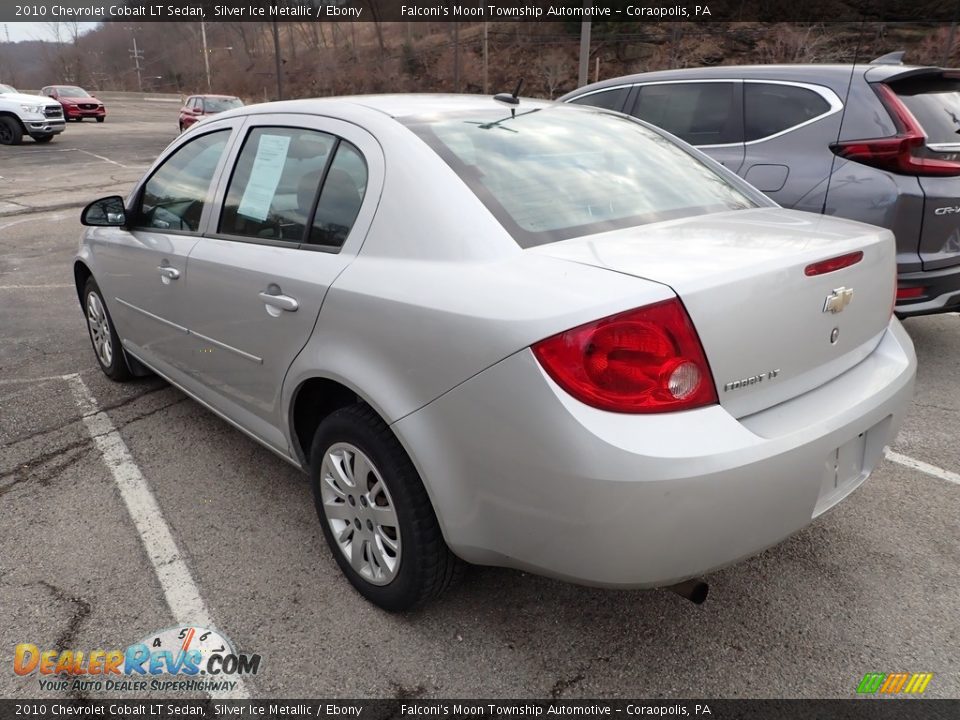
873,708
478,11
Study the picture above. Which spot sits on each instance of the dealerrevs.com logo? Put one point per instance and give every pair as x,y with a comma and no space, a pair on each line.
189,659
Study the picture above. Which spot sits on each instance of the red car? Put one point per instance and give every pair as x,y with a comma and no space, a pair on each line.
196,106
77,103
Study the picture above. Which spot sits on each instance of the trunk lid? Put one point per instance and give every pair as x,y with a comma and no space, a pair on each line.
761,319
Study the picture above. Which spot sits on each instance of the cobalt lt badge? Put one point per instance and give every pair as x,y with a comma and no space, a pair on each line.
838,300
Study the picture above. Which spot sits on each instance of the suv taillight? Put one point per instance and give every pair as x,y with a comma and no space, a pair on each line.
647,360
901,153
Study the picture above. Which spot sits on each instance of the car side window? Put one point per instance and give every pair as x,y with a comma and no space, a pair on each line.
699,113
607,99
174,196
770,108
340,198
274,186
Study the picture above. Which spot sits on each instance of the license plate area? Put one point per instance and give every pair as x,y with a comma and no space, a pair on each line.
843,473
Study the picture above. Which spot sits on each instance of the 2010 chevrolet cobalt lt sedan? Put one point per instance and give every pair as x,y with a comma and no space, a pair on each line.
547,337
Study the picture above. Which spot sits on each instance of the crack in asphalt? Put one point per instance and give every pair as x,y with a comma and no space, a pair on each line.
563,684
81,611
68,423
25,471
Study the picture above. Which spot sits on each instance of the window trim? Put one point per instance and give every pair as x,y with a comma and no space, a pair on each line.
836,105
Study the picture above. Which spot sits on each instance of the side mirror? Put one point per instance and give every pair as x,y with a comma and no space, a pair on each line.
105,212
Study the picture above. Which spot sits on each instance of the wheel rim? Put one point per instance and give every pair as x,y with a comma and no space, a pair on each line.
99,330
6,134
360,513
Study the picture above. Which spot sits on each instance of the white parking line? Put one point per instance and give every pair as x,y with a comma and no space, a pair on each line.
35,287
17,381
182,594
906,461
105,159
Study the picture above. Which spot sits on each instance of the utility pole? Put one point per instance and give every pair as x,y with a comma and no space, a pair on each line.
486,88
456,57
276,55
137,57
206,52
584,50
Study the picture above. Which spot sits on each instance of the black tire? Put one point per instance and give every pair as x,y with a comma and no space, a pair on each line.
101,119
426,567
10,131
116,369
43,138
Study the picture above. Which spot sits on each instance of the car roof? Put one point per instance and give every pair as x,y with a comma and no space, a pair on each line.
407,105
214,95
836,75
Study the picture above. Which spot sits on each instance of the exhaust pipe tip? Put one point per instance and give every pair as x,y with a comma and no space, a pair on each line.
694,590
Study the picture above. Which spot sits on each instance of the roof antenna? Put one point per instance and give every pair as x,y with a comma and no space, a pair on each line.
509,100
843,112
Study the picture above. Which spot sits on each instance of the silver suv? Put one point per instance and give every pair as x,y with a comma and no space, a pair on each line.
879,143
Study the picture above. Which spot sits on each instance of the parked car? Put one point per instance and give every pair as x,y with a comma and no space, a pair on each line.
560,341
22,114
196,107
77,103
879,143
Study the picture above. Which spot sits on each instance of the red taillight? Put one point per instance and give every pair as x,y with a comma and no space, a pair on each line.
908,293
833,264
646,360
900,153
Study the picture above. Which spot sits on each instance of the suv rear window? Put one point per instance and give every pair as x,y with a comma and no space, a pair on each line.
560,172
935,103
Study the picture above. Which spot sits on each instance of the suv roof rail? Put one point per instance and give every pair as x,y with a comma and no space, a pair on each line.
894,58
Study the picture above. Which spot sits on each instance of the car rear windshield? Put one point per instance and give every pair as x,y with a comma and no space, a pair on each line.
73,92
215,105
4,89
561,172
935,103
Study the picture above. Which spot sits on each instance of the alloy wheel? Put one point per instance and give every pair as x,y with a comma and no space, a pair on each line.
99,330
361,513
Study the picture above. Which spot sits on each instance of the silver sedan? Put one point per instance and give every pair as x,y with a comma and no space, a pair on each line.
539,336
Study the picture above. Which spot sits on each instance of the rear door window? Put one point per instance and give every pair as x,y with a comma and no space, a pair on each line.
274,186
771,108
701,113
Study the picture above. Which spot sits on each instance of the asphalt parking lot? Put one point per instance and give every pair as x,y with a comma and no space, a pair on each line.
871,587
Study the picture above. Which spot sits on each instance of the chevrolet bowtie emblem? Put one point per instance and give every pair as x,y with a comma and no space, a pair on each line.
838,300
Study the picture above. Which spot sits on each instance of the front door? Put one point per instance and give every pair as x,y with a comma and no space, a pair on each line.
142,268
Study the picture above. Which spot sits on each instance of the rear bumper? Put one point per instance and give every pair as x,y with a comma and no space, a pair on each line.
522,475
941,291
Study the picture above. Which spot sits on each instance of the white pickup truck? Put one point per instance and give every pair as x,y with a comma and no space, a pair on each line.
39,117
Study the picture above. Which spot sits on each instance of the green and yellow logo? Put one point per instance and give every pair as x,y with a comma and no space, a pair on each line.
894,683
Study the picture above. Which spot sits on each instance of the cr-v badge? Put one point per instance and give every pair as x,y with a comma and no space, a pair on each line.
838,300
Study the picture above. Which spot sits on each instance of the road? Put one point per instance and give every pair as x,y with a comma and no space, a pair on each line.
873,586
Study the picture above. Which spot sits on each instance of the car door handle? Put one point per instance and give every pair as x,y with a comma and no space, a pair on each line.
171,273
283,302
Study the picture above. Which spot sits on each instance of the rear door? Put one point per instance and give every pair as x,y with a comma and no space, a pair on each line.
934,100
788,129
704,113
294,212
